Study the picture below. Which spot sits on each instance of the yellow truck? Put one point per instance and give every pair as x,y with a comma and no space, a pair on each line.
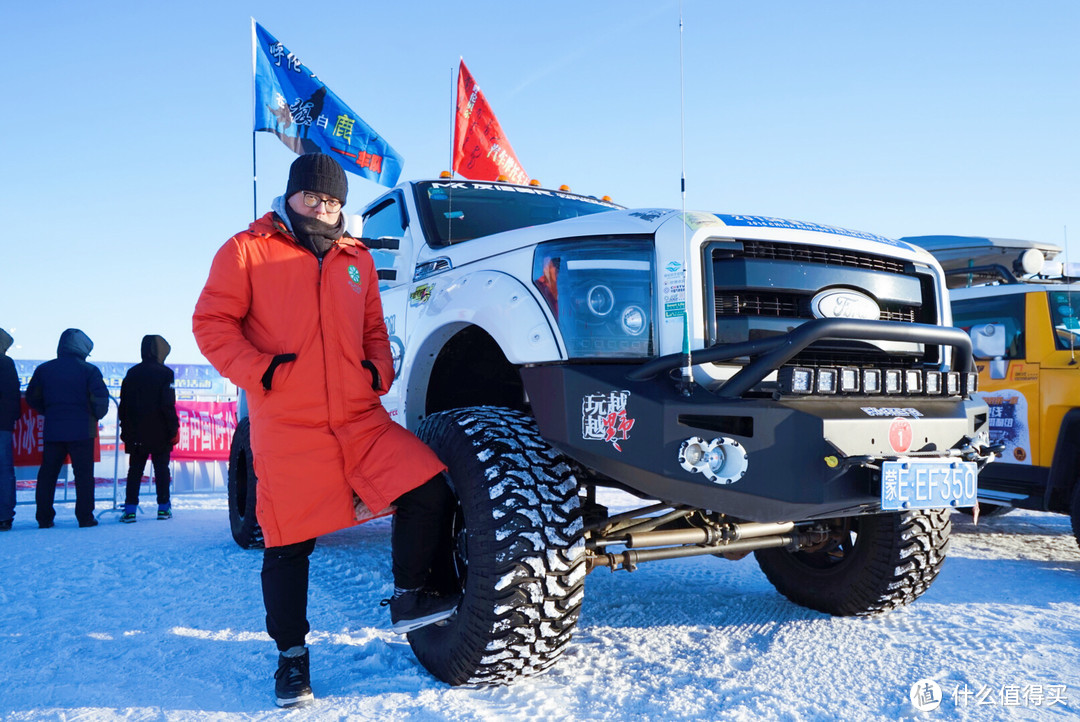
1021,306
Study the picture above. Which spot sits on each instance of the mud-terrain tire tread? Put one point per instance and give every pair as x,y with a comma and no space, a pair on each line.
243,523
523,544
895,559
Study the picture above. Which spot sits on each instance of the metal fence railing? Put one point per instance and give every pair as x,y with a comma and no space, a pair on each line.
188,476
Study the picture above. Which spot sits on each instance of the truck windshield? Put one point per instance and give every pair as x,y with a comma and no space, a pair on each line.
1065,315
456,211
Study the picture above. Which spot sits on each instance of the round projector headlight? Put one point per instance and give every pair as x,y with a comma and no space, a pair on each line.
600,300
633,320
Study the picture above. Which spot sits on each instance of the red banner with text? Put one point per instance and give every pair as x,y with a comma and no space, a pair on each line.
29,438
206,430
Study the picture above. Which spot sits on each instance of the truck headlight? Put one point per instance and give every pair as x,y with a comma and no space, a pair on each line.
634,320
600,300
601,294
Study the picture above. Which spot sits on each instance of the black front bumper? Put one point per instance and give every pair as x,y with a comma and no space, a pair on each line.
807,457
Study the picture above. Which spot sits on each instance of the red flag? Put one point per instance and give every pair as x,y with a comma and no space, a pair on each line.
481,150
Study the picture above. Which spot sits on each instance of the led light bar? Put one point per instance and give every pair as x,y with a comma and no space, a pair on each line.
851,380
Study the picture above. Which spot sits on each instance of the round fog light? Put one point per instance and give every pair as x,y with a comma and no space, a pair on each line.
717,459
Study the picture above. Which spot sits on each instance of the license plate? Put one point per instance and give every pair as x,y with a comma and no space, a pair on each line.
928,484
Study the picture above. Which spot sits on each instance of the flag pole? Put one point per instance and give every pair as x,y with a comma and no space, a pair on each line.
453,119
254,100
453,128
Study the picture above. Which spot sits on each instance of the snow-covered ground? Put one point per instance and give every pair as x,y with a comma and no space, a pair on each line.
163,620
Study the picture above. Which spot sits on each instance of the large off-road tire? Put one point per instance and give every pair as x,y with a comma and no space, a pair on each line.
869,564
1074,511
517,547
242,483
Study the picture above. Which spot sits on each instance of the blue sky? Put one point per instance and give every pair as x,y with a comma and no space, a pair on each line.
127,154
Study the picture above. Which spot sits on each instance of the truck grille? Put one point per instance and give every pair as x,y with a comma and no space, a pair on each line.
787,305
815,254
756,289
756,304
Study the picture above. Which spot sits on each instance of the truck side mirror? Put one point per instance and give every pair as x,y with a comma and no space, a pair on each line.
988,342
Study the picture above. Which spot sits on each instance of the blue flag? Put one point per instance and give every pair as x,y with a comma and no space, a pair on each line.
298,108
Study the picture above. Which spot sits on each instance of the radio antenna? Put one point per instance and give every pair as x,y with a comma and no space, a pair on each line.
688,368
1070,296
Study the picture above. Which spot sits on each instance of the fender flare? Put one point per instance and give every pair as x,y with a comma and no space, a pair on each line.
509,312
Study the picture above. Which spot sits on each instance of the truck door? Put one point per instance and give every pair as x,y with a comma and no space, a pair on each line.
389,221
1008,377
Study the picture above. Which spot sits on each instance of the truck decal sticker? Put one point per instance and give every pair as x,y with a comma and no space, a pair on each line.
1009,424
397,352
900,435
674,291
524,190
421,295
892,411
768,222
397,348
603,417
651,214
696,221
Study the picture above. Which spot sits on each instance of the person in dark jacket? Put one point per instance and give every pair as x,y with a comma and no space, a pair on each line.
148,424
71,393
10,410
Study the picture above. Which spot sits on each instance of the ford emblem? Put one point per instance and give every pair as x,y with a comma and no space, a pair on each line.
844,303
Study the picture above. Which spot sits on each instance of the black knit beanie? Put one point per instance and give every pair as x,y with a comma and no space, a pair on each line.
318,173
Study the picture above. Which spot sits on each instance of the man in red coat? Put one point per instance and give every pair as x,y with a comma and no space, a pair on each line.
291,314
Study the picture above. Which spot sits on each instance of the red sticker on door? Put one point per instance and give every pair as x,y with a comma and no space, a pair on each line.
900,435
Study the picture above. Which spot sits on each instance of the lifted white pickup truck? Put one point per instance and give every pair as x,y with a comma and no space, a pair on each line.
762,385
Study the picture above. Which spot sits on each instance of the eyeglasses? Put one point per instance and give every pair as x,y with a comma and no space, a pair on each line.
312,201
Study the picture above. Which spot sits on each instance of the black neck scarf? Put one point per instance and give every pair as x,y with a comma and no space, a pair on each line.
315,235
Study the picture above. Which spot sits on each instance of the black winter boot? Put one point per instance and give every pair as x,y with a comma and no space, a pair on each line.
293,680
415,608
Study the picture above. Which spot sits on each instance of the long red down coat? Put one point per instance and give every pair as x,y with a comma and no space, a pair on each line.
320,434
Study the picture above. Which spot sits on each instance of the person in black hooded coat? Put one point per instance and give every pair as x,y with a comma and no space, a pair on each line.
72,395
149,424
10,410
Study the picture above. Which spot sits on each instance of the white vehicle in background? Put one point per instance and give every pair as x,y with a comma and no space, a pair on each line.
823,419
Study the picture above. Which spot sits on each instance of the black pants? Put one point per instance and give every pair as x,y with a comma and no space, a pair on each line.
138,454
82,464
419,537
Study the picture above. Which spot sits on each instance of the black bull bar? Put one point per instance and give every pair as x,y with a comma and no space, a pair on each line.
769,354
